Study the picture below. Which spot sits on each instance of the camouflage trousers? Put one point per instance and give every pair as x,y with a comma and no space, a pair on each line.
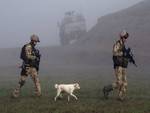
121,81
28,71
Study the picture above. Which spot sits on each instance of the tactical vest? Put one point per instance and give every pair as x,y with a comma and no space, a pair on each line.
120,60
23,55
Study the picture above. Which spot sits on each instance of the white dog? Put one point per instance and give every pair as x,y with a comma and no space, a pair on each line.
68,88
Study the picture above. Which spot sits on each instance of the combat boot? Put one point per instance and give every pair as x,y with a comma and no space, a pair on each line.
106,90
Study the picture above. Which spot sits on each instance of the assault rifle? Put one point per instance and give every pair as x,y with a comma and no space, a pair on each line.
128,54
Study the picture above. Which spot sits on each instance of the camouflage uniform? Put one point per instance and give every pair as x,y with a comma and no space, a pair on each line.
28,69
120,66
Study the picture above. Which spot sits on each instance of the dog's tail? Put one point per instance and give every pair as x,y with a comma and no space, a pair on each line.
56,86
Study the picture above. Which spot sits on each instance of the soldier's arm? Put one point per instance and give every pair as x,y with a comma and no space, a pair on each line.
117,50
28,50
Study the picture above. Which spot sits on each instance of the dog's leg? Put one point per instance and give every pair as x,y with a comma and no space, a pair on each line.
58,93
74,96
55,98
68,98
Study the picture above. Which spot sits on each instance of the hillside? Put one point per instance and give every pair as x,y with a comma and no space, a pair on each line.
136,20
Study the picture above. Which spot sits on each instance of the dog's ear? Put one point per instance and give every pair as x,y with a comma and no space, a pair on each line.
76,85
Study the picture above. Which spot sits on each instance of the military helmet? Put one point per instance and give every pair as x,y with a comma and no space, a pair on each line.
34,38
124,34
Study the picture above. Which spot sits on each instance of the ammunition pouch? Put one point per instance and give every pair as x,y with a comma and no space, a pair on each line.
120,61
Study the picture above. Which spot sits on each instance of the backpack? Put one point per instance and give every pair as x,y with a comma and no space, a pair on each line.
22,54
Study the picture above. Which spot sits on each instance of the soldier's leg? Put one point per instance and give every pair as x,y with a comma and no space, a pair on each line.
120,82
21,82
124,79
118,73
115,84
34,75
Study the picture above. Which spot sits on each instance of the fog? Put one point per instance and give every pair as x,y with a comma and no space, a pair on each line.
21,18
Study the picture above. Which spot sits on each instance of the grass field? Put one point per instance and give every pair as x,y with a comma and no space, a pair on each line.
90,96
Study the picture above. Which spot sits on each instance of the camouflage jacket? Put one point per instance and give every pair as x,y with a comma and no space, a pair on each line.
118,48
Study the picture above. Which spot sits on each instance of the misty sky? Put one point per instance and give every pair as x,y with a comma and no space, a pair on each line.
20,18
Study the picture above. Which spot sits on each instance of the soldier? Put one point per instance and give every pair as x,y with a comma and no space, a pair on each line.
31,58
120,67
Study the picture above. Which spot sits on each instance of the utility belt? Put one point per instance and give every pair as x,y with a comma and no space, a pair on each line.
120,61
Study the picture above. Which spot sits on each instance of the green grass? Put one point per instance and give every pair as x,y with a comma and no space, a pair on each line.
90,96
